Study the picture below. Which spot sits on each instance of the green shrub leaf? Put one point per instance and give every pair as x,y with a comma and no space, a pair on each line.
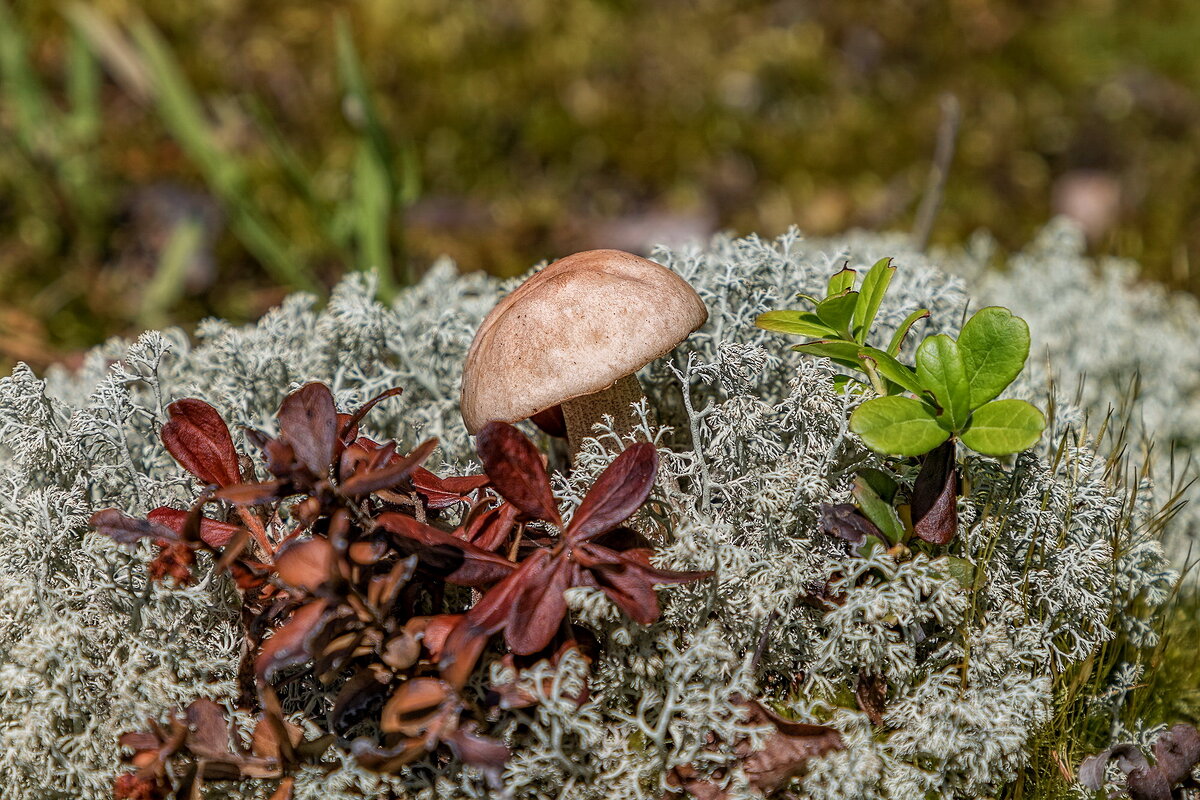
897,341
994,345
941,371
892,369
870,297
898,426
1003,426
878,509
840,281
836,311
840,352
799,323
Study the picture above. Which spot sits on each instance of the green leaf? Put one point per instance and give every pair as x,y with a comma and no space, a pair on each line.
799,323
878,510
808,298
1002,427
897,341
994,345
898,426
892,369
870,297
940,368
840,352
836,311
840,281
881,482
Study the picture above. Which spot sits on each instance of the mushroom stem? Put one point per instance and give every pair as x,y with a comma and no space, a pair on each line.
584,412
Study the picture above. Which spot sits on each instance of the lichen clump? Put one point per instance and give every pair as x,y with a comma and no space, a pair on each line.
938,672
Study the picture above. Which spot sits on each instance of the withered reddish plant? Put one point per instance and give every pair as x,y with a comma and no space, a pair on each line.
529,605
346,564
784,755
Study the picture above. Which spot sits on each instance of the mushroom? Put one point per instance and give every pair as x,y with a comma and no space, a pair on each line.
572,337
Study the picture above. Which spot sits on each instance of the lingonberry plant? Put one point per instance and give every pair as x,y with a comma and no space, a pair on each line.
953,385
348,559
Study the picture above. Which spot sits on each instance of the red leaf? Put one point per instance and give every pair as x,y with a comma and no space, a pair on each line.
540,606
551,421
288,645
367,481
412,706
487,617
516,471
871,691
124,529
284,790
445,492
490,528
306,563
935,496
617,493
786,752
199,440
436,629
479,751
214,532
348,423
308,422
628,579
210,731
386,759
252,494
466,564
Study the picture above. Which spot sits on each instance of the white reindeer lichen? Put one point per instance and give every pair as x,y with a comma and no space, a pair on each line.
753,439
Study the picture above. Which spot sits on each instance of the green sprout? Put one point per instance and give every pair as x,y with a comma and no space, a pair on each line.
953,385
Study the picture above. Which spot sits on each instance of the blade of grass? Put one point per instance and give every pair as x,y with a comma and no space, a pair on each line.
167,286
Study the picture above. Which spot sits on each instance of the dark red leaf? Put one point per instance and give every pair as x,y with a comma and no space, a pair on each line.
308,422
445,492
871,692
479,751
348,423
628,579
935,496
360,697
1177,752
210,731
305,563
124,529
284,790
412,706
174,560
516,470
551,421
787,751
252,494
386,759
288,645
464,563
490,528
199,440
214,532
617,493
540,606
386,477
845,521
487,617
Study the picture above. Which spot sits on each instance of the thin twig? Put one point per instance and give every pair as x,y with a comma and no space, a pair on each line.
935,184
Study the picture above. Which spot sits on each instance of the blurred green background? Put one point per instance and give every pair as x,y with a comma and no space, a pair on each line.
161,161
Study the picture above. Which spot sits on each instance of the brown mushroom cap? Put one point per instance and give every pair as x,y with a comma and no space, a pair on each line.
573,329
